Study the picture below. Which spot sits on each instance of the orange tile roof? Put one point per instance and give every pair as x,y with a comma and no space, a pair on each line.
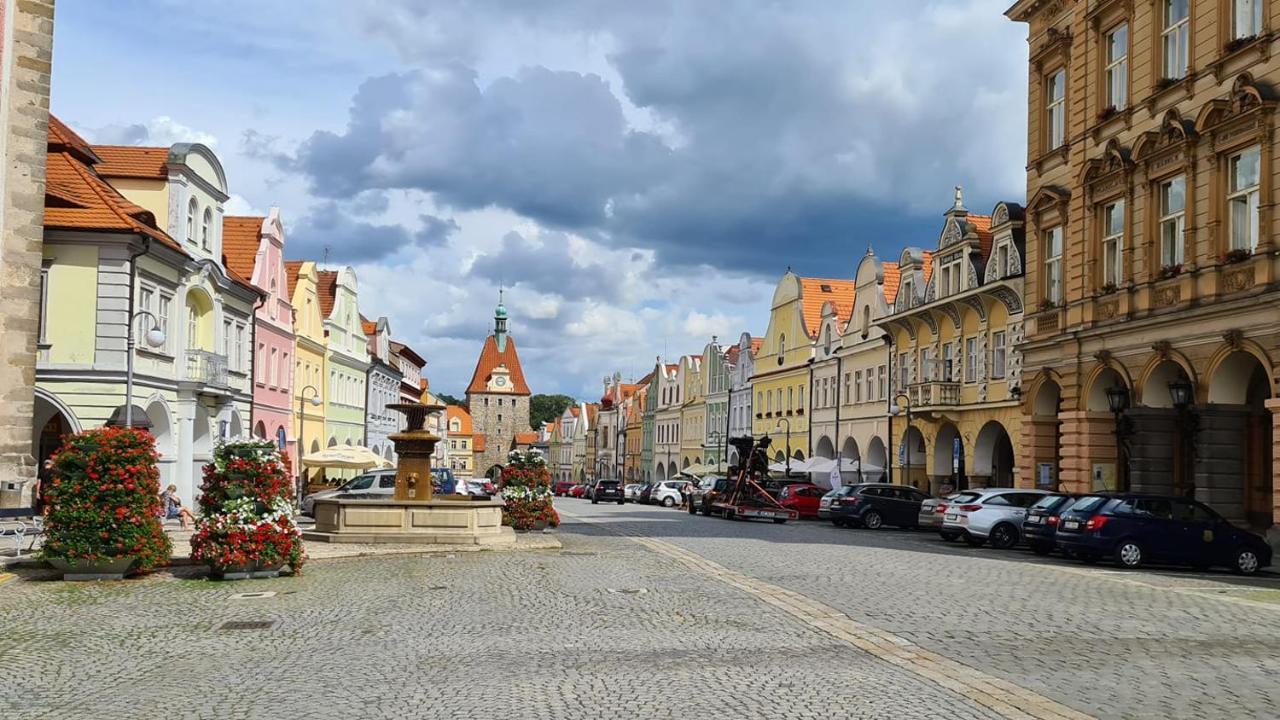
892,278
128,161
477,443
61,134
928,266
241,237
731,355
815,292
407,353
756,344
291,270
328,291
673,368
370,327
575,410
490,359
453,412
982,226
526,438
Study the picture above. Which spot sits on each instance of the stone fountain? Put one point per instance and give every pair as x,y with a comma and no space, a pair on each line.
413,515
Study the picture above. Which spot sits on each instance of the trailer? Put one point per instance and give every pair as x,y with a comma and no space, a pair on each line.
746,498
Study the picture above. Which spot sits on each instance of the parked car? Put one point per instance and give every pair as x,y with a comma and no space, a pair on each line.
646,493
994,514
562,488
824,505
631,493
705,493
1136,529
476,487
445,483
666,493
372,484
874,505
804,498
932,511
607,490
1040,528
577,491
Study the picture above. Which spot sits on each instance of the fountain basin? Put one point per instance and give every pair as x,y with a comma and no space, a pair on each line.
439,521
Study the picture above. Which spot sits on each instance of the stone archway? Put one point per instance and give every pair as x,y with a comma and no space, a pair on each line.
1233,461
661,472
912,460
825,448
875,464
51,421
1042,436
671,470
948,460
993,456
162,432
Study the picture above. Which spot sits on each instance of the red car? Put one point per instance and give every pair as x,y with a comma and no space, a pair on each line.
577,491
804,498
562,488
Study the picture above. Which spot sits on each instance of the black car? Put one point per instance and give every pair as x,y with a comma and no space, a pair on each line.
705,493
1040,527
1135,529
874,505
645,493
607,490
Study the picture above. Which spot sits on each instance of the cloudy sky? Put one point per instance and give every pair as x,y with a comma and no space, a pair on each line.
637,174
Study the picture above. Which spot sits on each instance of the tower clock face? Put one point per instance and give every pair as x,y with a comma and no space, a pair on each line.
500,381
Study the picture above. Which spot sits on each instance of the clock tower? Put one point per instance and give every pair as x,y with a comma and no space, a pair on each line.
497,396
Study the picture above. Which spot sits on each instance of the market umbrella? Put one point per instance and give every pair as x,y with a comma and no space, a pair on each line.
346,457
695,470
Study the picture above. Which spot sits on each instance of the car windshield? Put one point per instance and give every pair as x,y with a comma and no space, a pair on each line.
965,497
1088,503
363,482
1049,502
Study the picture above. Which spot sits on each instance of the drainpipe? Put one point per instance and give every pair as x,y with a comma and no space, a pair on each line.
133,281
253,362
809,421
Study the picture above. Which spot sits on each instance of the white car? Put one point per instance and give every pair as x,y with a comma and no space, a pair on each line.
631,493
666,493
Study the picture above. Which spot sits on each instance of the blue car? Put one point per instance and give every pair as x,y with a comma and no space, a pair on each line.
1135,529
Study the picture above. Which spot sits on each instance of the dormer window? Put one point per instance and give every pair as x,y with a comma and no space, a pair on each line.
1002,260
907,293
951,275
192,209
205,222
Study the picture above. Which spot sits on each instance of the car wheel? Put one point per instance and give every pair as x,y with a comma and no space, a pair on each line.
1129,554
1042,548
668,501
1246,562
949,536
1003,536
872,520
974,540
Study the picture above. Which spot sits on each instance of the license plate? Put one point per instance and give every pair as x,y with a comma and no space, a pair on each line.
952,517
1071,525
1034,520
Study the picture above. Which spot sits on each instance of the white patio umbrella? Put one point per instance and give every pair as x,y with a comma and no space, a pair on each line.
819,465
346,457
695,470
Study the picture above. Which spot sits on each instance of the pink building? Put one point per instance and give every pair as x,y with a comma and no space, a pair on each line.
254,248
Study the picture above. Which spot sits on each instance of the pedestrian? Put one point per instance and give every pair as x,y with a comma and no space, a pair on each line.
686,489
43,478
171,507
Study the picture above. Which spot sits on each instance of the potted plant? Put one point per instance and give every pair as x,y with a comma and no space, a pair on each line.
104,506
1236,255
1167,83
246,529
1047,304
1237,43
1169,271
1108,288
526,491
1106,113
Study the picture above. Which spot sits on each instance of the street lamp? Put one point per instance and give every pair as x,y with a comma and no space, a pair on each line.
302,426
1118,402
894,409
154,338
788,458
1183,397
719,447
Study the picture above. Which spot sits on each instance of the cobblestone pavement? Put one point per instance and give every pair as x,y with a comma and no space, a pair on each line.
1152,644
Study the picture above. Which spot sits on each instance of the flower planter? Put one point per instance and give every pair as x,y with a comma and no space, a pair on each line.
262,572
105,569
231,572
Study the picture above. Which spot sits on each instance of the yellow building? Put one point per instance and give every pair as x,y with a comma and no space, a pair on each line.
309,372
693,411
955,325
781,379
461,457
633,412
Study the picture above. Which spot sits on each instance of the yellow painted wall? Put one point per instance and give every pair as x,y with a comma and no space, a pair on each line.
787,339
70,326
150,194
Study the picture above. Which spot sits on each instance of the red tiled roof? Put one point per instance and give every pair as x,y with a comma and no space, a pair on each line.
62,135
928,266
817,291
407,353
241,237
291,270
477,443
526,438
731,355
128,161
982,226
328,291
370,327
490,359
646,379
453,412
892,278
756,344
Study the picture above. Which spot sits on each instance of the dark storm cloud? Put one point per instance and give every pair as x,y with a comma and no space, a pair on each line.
330,232
782,132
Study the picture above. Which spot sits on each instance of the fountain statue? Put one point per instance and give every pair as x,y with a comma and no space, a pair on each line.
414,514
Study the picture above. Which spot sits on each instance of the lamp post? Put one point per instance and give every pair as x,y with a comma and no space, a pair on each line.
788,458
1180,391
1118,402
894,409
302,427
719,444
153,338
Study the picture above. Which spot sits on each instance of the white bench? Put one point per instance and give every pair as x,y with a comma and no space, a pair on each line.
30,526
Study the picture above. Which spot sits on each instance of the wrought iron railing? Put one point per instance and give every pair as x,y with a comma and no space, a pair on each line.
207,368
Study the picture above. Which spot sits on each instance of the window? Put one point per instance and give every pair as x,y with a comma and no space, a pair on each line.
261,360
1246,21
162,317
869,386
1118,67
782,347
204,228
239,348
44,299
146,296
1173,205
1056,110
1002,260
1243,200
1053,264
1175,37
880,382
997,354
847,392
791,399
286,370
970,359
902,371
949,371
275,368
927,363
858,392
1112,242
227,344
192,209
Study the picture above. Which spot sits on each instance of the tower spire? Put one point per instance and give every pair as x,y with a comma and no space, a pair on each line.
500,322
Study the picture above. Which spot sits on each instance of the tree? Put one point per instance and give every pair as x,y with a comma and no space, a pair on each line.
448,399
546,408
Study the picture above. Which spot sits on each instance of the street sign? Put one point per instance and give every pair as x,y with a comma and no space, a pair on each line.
956,451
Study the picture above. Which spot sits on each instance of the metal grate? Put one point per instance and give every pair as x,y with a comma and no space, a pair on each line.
247,625
253,595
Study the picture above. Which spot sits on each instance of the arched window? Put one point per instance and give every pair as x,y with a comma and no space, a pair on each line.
192,209
866,321
205,222
782,346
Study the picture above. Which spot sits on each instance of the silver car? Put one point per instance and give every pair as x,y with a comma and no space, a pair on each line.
631,493
372,484
994,514
931,512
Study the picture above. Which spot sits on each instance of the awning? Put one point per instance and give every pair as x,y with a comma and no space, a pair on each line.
695,470
819,465
346,457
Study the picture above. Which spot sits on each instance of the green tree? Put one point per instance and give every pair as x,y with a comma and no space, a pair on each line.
448,399
546,408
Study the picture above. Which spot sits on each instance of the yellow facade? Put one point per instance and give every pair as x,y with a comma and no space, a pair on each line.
693,411
309,364
72,286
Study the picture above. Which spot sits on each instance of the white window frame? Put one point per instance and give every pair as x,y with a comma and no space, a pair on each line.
1242,202
146,299
1056,108
998,350
206,222
1113,242
1172,222
1246,18
1174,39
869,385
971,359
1053,264
857,386
1117,42
881,374
193,208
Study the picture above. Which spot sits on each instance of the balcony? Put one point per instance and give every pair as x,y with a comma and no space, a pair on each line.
206,368
933,394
